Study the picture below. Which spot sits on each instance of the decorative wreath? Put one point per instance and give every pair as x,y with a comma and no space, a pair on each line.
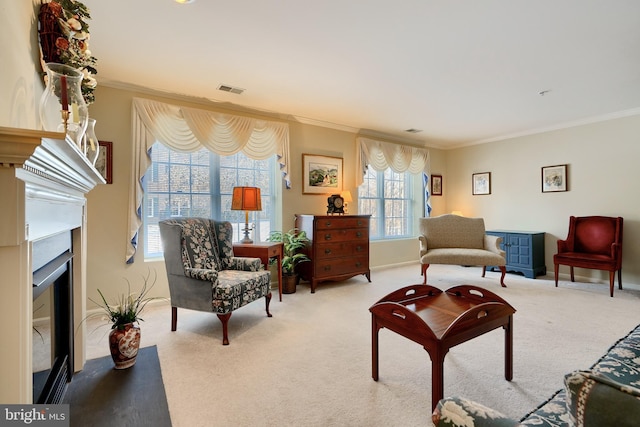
64,38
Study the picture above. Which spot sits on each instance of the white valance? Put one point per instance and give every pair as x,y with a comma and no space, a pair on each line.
381,155
190,129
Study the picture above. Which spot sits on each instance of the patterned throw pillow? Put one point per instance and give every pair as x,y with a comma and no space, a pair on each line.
459,412
597,401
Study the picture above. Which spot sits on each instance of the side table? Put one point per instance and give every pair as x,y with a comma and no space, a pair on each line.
440,320
265,251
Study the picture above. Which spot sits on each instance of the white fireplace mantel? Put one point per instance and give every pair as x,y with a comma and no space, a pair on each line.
44,179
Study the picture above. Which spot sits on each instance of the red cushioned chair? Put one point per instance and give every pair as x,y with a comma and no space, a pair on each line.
593,242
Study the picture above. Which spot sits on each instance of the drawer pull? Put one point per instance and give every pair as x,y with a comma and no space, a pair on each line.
327,251
327,224
327,268
358,248
358,233
327,237
358,264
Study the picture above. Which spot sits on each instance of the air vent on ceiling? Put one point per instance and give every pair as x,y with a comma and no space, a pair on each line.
227,88
412,130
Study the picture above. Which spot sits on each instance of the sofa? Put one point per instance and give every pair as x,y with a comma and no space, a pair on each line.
457,240
607,394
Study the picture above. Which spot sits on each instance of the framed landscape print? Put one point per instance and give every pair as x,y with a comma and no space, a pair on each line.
554,178
321,174
436,185
481,183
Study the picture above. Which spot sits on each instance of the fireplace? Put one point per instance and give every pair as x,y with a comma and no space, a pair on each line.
44,179
52,318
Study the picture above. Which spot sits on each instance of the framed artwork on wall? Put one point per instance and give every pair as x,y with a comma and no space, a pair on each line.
481,183
104,163
321,174
554,178
436,185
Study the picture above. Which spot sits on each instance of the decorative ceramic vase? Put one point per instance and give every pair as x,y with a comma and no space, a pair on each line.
124,342
90,145
62,102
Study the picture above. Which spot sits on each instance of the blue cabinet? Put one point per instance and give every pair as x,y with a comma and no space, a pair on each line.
525,251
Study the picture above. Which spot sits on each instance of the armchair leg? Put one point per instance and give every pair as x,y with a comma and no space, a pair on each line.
611,280
556,267
484,270
224,318
424,273
268,301
174,318
620,279
503,270
572,278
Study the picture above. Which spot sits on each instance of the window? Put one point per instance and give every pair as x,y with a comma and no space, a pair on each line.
387,197
201,184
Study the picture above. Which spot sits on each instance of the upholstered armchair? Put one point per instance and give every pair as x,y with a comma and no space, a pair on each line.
204,275
453,239
593,242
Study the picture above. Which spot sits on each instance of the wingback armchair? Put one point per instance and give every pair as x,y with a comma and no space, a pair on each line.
593,242
204,275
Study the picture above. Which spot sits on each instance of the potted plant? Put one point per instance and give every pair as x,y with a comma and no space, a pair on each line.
124,338
294,242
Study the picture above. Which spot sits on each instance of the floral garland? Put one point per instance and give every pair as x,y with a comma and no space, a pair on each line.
64,38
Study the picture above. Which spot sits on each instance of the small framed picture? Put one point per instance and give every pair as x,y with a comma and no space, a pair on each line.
104,163
554,178
481,183
436,185
321,174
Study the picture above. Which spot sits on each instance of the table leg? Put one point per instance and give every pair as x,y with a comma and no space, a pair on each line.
279,258
374,347
508,349
437,376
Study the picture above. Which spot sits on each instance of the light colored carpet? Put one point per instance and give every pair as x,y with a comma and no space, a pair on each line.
310,364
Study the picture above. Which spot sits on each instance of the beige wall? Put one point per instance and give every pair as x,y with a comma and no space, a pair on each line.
603,179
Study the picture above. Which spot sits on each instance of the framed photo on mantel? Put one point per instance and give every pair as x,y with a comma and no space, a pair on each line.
104,163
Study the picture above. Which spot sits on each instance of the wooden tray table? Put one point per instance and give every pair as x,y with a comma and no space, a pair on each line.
439,320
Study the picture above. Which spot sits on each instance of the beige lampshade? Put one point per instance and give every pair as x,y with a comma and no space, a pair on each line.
246,199
346,195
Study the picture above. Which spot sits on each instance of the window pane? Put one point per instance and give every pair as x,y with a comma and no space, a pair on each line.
387,198
201,184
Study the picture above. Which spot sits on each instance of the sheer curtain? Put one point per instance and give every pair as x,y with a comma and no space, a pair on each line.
190,129
381,155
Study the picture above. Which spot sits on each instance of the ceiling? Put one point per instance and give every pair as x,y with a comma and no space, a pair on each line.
461,72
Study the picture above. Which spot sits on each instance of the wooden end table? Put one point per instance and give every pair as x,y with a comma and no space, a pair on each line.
265,251
439,320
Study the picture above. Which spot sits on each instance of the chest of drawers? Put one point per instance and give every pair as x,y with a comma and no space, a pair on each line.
338,247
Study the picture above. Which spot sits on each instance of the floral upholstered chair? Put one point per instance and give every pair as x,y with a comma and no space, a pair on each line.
199,251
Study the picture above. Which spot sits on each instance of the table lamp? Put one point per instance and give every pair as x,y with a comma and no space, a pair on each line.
246,199
346,195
